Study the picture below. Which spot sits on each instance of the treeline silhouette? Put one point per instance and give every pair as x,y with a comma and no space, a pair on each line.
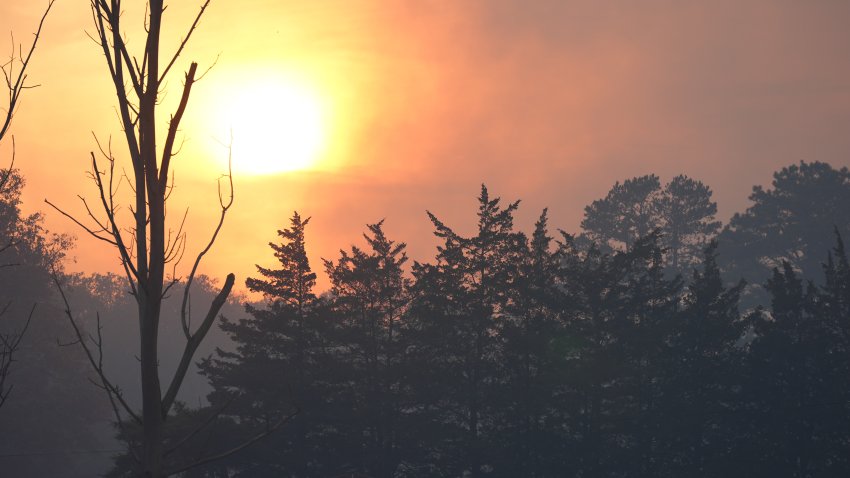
653,343
528,355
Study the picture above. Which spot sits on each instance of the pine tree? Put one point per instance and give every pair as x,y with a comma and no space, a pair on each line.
275,369
459,309
530,436
835,293
369,296
702,390
797,376
687,221
619,312
790,222
628,212
682,211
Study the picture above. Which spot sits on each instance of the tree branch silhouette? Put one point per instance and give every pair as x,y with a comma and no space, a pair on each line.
152,244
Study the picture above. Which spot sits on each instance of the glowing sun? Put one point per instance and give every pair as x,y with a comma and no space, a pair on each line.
276,126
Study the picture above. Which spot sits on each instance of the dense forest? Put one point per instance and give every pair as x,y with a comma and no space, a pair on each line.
655,341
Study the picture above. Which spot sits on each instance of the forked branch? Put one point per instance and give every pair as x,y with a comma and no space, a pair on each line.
17,82
193,342
225,206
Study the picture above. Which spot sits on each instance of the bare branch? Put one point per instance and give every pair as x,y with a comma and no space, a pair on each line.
224,208
114,60
77,222
140,87
185,41
203,461
167,151
97,364
193,343
94,218
11,343
174,248
7,174
209,68
19,84
108,204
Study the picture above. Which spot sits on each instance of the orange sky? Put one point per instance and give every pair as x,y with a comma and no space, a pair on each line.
549,101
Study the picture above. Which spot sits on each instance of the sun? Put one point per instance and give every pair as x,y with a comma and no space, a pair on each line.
277,126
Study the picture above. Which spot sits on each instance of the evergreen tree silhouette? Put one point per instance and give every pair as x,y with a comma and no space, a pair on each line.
682,211
461,309
368,299
701,397
798,422
277,362
687,221
527,440
790,222
628,212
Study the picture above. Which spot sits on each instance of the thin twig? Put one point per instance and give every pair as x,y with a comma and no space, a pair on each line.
16,87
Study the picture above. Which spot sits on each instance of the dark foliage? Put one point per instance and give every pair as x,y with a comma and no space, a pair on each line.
791,222
50,402
682,211
512,356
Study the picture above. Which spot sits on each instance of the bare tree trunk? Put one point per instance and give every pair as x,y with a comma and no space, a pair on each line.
138,81
151,393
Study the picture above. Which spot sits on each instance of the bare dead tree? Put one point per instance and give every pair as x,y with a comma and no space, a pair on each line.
15,75
147,247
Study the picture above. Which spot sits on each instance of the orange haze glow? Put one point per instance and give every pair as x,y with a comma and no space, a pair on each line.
352,111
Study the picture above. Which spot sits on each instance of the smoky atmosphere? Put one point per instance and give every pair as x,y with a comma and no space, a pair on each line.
414,239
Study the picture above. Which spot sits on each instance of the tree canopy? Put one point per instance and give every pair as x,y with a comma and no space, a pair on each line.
793,222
